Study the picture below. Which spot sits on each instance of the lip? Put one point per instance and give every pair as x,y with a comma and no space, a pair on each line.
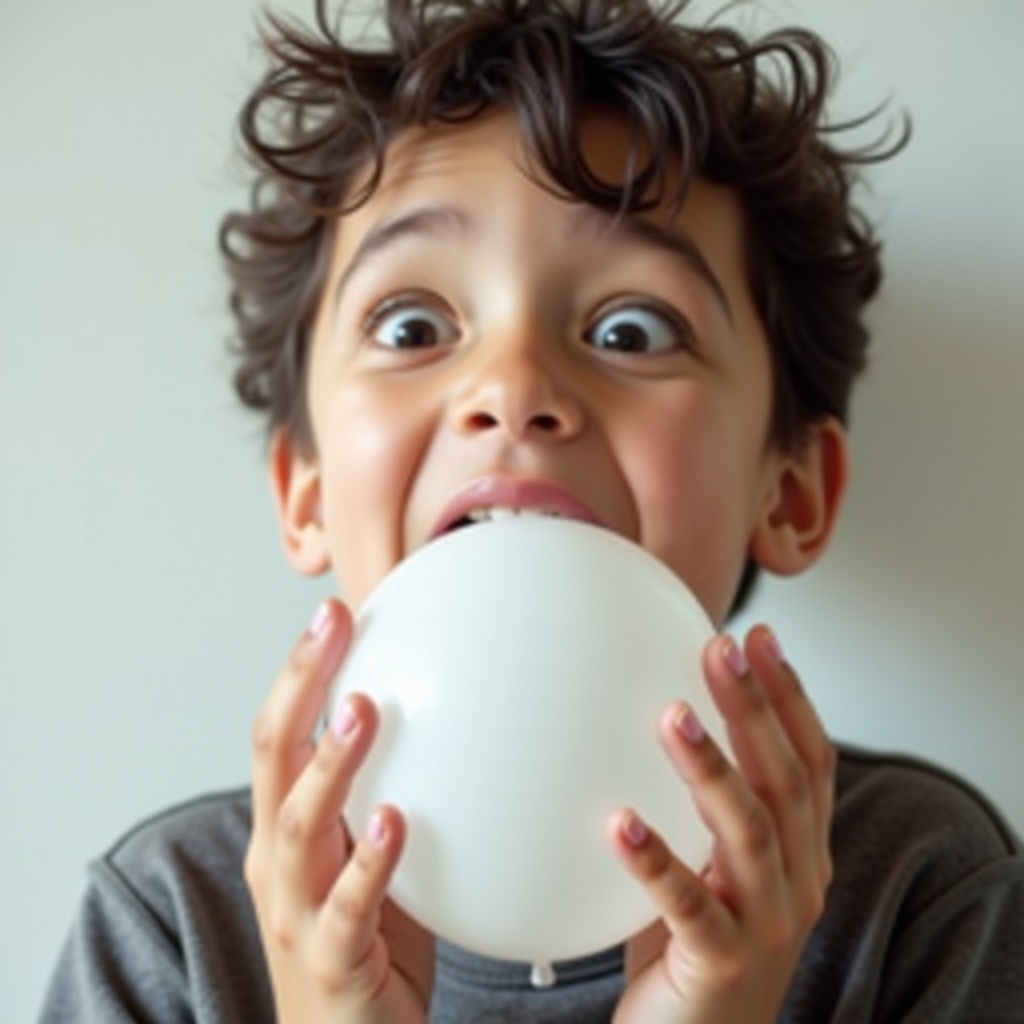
514,492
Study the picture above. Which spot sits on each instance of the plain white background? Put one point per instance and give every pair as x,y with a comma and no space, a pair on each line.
144,607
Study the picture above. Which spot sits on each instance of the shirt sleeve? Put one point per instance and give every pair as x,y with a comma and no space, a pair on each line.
118,964
166,932
924,922
962,957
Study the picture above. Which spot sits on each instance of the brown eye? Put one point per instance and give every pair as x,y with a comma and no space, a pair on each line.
410,325
638,329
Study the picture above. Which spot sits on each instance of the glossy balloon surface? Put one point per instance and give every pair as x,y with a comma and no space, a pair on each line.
520,668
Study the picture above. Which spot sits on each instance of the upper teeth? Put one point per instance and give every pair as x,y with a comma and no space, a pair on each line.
482,515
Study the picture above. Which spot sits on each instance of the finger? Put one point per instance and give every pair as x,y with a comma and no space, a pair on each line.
802,724
772,727
765,755
282,742
747,856
312,841
688,907
347,942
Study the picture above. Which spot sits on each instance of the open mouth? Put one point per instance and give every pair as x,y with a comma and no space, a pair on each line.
490,498
495,512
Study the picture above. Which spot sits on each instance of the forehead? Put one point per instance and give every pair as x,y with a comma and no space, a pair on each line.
489,153
611,153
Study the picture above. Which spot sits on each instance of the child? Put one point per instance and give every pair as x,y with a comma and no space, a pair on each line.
576,258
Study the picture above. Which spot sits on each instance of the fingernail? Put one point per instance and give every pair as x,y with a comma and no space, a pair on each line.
689,726
771,641
634,831
376,830
735,658
344,721
321,618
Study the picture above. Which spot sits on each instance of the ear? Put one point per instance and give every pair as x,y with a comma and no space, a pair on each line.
801,501
295,485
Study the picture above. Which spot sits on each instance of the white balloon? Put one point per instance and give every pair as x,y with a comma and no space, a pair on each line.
520,668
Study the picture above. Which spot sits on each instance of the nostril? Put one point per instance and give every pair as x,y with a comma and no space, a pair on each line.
481,421
546,421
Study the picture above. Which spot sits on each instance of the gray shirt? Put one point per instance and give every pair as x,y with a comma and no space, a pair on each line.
924,922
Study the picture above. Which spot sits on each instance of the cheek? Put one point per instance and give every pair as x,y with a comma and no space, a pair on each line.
694,485
369,446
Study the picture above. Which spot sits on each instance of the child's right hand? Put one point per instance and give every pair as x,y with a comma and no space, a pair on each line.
338,951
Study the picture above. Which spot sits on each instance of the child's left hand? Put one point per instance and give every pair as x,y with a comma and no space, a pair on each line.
730,938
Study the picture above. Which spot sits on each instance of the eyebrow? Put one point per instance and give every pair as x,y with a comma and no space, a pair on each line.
441,219
676,243
431,221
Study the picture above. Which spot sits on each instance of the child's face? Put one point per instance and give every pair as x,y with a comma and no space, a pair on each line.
483,343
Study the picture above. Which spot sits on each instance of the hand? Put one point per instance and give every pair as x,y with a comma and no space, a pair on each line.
337,949
730,938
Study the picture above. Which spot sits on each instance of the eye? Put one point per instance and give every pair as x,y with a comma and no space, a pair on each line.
641,329
408,322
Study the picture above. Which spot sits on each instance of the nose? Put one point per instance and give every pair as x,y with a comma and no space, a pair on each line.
516,390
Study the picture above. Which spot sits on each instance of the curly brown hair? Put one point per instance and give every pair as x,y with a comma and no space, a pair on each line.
747,113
